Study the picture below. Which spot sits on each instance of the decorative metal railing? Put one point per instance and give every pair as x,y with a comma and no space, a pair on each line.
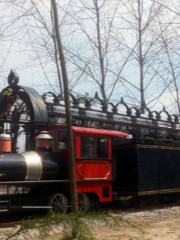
151,124
23,105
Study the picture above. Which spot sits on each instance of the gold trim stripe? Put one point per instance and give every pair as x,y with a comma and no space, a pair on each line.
146,146
157,147
33,164
150,192
125,198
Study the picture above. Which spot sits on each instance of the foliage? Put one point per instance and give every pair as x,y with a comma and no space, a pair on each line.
74,225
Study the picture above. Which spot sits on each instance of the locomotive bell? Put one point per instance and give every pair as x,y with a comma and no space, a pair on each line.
43,139
5,143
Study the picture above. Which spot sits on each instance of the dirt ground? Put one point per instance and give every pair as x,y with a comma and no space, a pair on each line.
163,228
167,229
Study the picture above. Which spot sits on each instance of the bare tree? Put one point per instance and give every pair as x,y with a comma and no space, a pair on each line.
119,48
40,44
141,40
94,50
169,71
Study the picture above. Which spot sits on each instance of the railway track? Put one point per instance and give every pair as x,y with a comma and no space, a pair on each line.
12,219
10,224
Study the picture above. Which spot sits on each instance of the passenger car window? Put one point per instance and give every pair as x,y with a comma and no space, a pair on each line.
94,147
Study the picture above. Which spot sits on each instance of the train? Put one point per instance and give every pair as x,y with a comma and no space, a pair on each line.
45,171
125,159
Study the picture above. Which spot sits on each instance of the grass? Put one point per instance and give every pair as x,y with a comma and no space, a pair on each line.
75,226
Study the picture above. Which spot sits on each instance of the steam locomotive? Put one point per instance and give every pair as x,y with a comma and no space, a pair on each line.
45,171
118,157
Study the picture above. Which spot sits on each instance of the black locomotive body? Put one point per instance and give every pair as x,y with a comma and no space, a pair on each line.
32,166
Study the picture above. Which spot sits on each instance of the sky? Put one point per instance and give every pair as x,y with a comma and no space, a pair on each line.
33,76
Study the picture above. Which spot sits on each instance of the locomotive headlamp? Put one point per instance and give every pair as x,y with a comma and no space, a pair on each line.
43,139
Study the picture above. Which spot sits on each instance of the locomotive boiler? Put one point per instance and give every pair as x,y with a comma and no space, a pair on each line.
32,166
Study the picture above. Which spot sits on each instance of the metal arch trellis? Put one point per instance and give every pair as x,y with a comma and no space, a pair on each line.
33,104
19,106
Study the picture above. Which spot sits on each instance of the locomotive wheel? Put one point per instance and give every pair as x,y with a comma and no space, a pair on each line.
83,202
59,203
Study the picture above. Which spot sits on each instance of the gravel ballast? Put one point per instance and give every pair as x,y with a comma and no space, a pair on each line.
164,218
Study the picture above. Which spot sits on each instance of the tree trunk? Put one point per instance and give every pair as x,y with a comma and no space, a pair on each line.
101,57
141,60
72,172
